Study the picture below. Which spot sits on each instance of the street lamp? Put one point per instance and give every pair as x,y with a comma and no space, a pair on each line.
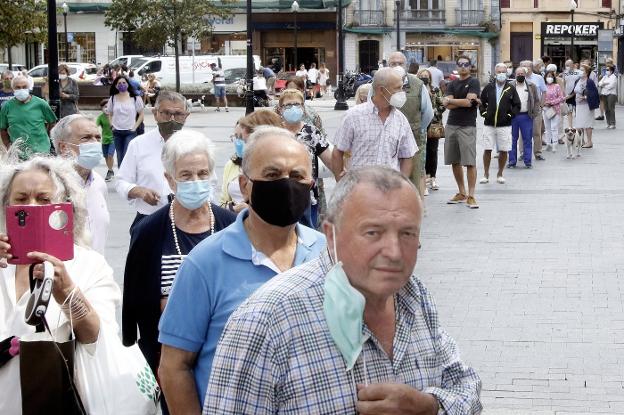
249,105
573,7
295,8
65,11
341,103
398,21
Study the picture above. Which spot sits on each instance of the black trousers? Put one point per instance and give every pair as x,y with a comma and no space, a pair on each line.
431,157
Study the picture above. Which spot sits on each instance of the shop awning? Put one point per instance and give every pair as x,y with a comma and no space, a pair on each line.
369,30
235,5
458,32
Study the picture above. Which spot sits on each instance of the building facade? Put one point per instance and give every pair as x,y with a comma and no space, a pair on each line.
429,29
557,28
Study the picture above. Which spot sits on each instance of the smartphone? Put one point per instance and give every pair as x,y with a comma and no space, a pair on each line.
42,228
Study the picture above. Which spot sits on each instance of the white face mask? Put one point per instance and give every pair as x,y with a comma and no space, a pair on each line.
62,77
400,70
398,99
550,80
21,94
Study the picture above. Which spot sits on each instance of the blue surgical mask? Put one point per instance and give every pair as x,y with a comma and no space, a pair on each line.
90,155
239,147
343,306
21,94
194,193
293,115
501,77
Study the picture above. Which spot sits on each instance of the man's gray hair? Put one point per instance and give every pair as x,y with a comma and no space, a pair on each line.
185,142
384,179
523,69
538,62
500,65
17,79
261,132
62,131
398,54
66,182
526,63
7,73
170,96
383,76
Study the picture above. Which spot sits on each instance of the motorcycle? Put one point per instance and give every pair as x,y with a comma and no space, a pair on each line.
352,81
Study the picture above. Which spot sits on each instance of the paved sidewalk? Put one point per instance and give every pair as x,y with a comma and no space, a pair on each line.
528,284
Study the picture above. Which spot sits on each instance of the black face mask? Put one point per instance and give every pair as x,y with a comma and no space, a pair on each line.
167,128
425,81
520,78
280,202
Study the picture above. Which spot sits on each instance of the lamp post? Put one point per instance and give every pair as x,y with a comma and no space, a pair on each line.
65,11
295,8
341,103
53,81
398,21
573,7
249,106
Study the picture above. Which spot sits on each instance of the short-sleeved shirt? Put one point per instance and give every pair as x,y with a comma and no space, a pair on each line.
218,77
373,142
103,122
27,121
214,279
5,96
124,112
459,89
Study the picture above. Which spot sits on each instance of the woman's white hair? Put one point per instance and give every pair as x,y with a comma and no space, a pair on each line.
185,142
66,183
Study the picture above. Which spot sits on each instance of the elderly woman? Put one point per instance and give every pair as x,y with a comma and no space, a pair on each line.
231,195
69,92
431,154
291,108
83,288
163,239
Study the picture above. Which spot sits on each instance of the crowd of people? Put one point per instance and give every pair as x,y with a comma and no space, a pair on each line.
270,296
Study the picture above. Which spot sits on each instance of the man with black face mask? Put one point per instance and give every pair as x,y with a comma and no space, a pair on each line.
221,272
523,121
141,176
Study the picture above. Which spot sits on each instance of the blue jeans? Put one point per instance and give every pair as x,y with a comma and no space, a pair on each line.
122,140
521,123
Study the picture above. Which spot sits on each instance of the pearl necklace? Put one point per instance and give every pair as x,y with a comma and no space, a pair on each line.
173,226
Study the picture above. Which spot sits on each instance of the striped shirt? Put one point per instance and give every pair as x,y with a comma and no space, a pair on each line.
169,265
170,260
276,354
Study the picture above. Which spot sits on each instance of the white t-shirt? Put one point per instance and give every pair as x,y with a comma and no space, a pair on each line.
437,76
313,75
302,73
259,83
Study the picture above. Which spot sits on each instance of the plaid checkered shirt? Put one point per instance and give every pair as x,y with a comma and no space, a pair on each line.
276,354
373,142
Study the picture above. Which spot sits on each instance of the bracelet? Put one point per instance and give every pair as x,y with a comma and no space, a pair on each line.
76,309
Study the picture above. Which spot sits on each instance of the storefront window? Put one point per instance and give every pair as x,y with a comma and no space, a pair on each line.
81,46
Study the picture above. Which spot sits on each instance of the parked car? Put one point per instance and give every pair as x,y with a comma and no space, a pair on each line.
127,60
15,67
78,71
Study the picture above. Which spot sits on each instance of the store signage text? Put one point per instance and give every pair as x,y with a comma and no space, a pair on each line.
588,30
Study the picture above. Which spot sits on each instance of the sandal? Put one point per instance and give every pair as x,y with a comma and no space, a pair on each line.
587,146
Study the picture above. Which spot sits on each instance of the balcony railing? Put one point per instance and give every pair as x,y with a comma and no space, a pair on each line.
368,18
469,17
424,16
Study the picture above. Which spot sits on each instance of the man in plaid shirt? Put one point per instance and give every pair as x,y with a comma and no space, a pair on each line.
279,354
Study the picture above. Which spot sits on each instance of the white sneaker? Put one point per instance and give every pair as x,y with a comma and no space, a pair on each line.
484,180
426,192
501,179
434,184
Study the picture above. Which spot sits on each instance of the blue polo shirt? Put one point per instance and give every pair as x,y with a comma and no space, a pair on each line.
213,280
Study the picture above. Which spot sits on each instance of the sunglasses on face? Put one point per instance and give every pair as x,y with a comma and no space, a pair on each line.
463,64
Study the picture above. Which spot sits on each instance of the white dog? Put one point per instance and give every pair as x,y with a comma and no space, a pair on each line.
196,102
573,141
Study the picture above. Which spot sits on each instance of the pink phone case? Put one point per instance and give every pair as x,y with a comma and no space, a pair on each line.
42,228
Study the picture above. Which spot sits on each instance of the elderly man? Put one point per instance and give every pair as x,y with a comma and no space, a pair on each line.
26,118
352,331
460,145
79,137
534,77
375,132
141,177
499,105
222,271
570,77
419,113
6,92
522,123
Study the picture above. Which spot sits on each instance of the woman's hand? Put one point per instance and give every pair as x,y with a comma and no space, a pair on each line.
63,284
5,247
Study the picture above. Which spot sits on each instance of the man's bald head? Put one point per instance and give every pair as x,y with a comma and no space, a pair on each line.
272,142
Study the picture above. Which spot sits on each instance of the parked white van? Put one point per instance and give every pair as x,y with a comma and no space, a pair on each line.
193,69
127,60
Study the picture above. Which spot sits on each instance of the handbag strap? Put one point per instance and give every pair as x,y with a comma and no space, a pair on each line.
39,328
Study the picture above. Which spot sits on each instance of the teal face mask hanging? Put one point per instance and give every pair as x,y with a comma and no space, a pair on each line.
343,307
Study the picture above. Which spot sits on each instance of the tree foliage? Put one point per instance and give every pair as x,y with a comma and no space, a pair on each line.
22,21
159,22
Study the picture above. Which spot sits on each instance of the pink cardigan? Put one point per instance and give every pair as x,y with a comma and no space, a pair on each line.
554,96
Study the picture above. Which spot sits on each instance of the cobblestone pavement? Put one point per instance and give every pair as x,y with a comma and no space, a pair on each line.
528,284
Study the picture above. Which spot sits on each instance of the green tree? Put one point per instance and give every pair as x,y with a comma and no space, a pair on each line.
22,21
155,23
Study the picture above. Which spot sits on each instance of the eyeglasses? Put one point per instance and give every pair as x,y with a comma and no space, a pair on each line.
463,64
178,116
288,106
